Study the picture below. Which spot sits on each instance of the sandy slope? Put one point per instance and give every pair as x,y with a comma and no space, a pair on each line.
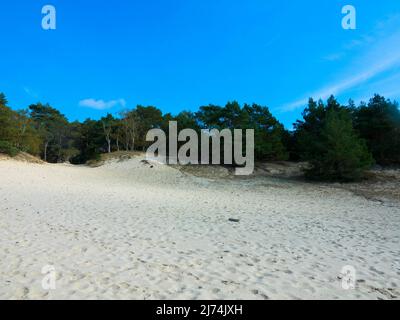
128,231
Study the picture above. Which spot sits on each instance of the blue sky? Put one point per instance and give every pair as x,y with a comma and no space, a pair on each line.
179,54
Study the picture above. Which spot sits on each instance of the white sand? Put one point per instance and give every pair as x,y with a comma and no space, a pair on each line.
128,231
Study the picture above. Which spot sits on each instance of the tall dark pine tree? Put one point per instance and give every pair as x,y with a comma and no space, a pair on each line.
328,141
7,131
52,127
379,124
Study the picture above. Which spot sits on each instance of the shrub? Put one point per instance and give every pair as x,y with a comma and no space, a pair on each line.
7,148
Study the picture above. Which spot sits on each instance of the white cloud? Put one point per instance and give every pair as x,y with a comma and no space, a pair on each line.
378,61
30,92
348,83
334,56
101,104
379,31
387,87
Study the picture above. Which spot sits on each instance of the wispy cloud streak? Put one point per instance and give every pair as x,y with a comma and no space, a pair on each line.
349,83
30,92
381,57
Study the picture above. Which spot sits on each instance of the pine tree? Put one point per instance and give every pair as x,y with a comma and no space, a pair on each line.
329,142
379,124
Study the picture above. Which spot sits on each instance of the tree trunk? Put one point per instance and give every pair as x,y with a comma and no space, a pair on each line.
133,144
45,151
127,144
59,149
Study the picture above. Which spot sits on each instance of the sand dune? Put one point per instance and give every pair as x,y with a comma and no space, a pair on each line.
130,230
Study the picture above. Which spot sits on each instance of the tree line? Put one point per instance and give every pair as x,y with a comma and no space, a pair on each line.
340,142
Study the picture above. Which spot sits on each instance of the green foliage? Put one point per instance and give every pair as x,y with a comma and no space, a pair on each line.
268,132
7,148
379,124
26,137
53,128
185,120
6,128
146,118
16,130
337,141
89,141
329,142
3,99
210,117
109,125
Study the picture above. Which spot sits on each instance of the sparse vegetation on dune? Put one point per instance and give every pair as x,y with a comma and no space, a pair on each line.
22,156
114,156
339,142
